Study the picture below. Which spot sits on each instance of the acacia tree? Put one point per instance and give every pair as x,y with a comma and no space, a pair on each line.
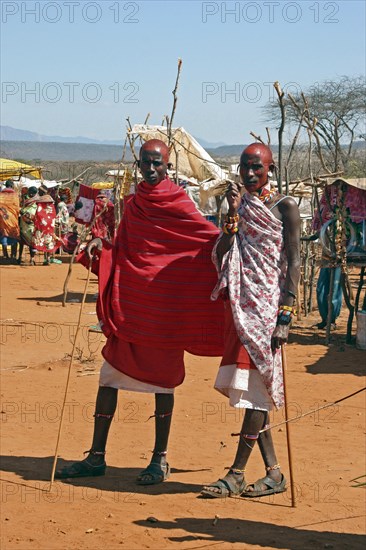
334,111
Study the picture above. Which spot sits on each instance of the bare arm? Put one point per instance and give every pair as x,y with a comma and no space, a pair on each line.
94,247
226,241
290,216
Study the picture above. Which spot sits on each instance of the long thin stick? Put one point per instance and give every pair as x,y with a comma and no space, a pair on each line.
280,95
292,484
294,418
68,376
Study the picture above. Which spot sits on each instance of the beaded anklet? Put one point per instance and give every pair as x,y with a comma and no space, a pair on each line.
160,415
236,471
275,467
92,452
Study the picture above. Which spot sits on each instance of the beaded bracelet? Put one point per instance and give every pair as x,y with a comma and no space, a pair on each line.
284,318
290,309
285,314
230,229
232,219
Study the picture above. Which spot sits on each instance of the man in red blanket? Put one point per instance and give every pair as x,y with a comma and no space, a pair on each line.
154,303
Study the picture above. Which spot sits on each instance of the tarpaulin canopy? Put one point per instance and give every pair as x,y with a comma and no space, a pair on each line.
11,168
360,183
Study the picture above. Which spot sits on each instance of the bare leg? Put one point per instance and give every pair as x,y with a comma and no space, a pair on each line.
32,253
253,422
268,453
5,252
105,408
157,470
21,247
164,404
94,464
14,248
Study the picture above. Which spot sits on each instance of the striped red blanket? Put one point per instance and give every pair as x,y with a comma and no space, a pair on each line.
155,282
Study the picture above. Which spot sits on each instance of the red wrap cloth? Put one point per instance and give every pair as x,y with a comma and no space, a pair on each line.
160,274
103,226
155,282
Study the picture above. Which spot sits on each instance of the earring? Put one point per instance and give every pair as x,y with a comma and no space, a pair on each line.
270,174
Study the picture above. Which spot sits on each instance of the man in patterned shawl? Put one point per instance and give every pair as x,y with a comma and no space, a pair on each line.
258,262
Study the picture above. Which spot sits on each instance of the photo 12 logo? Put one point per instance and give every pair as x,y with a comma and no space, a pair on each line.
70,92
70,12
270,12
248,92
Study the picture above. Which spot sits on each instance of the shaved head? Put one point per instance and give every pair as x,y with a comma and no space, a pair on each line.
154,161
256,164
158,146
259,150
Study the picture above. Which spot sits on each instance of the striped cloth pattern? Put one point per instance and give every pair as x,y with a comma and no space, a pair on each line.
156,281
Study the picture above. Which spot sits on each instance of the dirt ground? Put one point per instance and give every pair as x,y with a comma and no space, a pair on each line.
328,446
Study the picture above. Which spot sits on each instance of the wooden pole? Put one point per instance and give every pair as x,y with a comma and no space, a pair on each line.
280,95
68,376
292,484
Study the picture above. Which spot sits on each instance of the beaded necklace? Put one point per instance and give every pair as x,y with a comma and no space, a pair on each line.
266,195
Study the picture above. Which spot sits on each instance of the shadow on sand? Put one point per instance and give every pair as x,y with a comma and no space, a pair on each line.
254,533
117,480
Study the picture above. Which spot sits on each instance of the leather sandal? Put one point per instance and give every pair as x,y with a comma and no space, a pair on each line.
274,487
227,489
155,473
81,469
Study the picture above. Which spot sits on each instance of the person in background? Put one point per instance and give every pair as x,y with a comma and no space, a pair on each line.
9,225
26,224
44,237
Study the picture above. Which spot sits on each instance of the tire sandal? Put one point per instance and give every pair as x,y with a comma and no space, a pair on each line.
82,468
227,487
274,487
155,473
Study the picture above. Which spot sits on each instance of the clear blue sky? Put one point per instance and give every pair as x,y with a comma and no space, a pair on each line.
92,64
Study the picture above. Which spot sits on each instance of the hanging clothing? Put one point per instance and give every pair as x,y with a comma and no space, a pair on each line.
322,293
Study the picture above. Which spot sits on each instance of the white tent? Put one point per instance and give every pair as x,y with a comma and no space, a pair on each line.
193,160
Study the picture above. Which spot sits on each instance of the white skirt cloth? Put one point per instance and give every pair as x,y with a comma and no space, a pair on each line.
112,378
244,388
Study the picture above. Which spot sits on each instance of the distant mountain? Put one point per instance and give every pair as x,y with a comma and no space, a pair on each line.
7,133
226,150
208,144
37,152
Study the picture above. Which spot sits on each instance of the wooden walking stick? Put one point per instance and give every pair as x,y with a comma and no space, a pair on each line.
68,375
292,484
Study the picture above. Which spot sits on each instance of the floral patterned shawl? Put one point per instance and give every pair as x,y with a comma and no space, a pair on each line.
252,272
